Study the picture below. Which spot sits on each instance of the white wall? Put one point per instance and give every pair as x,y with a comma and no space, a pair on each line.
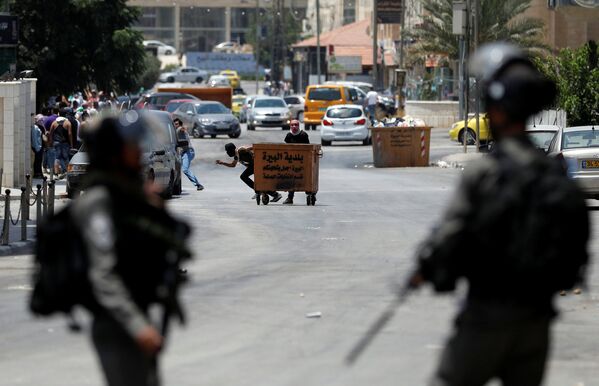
17,103
434,113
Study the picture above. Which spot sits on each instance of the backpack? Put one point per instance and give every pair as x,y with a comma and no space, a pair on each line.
60,278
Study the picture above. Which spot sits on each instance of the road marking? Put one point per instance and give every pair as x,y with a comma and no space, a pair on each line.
25,287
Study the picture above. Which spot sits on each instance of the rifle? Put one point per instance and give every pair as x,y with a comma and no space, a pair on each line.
380,322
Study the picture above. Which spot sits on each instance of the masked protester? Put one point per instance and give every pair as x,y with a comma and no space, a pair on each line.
295,135
245,155
516,231
130,241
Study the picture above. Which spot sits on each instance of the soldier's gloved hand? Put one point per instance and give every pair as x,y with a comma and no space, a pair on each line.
149,340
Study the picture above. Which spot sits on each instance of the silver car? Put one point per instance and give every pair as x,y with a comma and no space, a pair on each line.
344,123
578,147
541,135
269,112
296,106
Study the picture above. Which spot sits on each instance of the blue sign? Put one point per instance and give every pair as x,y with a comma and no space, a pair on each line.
213,62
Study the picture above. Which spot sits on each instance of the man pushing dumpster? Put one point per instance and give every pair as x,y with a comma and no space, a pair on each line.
245,156
295,135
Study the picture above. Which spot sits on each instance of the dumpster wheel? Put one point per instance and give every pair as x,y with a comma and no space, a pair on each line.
311,199
265,199
258,198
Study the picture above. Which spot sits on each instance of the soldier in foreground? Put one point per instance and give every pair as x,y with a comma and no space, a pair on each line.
133,246
516,231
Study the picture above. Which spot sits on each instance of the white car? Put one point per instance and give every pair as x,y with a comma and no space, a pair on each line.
541,135
267,111
344,123
219,81
226,47
163,49
185,74
578,148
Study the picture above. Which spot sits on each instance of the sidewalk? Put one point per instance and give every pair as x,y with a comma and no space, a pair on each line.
460,160
16,246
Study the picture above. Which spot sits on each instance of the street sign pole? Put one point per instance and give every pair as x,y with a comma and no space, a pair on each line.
375,46
257,49
477,91
318,39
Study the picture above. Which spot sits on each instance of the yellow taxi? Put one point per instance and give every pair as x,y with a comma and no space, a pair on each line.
456,133
233,77
237,103
319,98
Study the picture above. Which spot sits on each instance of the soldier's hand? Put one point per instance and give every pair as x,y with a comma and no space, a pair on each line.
416,280
149,340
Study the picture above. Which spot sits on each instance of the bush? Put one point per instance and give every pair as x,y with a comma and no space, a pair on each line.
151,73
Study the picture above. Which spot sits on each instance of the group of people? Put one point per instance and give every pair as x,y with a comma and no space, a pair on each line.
517,232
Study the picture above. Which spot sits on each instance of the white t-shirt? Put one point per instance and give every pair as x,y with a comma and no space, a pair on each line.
372,98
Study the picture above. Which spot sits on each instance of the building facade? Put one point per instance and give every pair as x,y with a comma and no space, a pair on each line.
199,25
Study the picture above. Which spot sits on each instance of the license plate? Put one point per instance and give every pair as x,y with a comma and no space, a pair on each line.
590,164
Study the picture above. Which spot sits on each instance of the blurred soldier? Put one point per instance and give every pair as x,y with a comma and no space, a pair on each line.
132,245
295,135
244,155
516,231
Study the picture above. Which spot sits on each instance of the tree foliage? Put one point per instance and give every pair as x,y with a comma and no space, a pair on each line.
71,44
576,74
499,20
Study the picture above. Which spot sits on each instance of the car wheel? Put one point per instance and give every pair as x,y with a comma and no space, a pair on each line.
72,193
470,137
199,79
300,116
325,143
250,127
168,192
177,188
366,141
195,132
168,52
285,128
170,79
235,134
212,135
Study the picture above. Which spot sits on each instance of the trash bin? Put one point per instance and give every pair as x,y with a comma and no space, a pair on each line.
286,167
401,146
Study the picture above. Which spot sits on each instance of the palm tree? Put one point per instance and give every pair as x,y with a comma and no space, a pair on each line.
499,20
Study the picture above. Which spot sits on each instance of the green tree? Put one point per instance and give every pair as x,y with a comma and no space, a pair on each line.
576,74
71,44
499,20
148,78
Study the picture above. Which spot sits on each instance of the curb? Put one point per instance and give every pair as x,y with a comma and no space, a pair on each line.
17,248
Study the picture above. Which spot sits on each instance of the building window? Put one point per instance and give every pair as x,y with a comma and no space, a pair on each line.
241,18
201,40
156,17
199,17
349,11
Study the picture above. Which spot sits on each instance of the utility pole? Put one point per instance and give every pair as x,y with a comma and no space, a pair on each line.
466,86
375,45
403,29
318,39
477,91
257,48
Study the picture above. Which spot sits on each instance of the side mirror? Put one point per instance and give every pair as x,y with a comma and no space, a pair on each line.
190,113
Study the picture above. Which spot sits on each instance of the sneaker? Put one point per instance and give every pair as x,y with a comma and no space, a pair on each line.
254,197
277,197
288,201
200,187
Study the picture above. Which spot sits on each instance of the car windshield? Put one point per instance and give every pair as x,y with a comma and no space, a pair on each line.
173,106
344,112
161,100
581,139
292,100
324,94
541,139
269,103
213,108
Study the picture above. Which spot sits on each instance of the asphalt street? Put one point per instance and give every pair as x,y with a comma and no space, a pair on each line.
259,271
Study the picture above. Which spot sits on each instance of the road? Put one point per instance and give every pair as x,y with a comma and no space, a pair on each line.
259,270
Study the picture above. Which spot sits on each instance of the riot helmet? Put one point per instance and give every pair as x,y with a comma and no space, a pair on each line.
511,82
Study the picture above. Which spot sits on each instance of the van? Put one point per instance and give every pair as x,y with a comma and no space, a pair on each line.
319,98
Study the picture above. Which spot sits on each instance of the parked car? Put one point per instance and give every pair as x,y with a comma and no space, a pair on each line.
174,104
226,47
234,78
236,105
357,96
208,118
344,123
161,161
365,87
578,148
319,98
296,106
270,112
184,74
246,107
162,49
541,135
158,100
219,81
456,133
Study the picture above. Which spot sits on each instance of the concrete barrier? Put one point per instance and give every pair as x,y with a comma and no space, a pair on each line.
434,113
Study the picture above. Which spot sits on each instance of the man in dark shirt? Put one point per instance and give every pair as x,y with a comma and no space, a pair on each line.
295,135
516,231
245,155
